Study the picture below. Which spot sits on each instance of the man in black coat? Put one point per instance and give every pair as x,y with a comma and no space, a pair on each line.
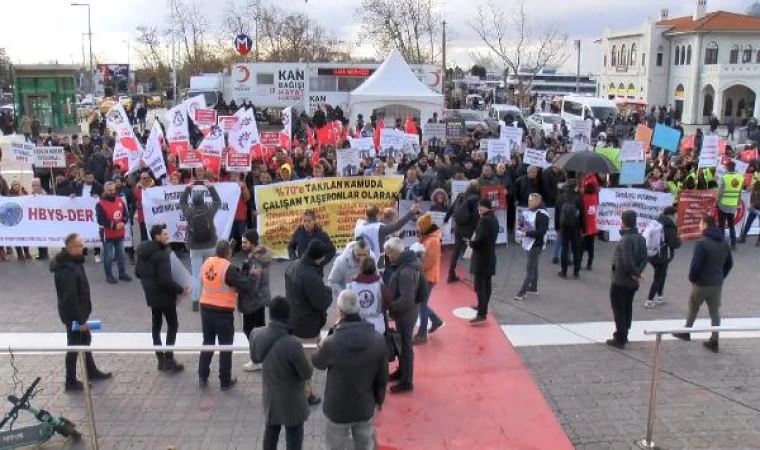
307,232
465,213
155,273
526,185
568,220
483,265
73,292
309,299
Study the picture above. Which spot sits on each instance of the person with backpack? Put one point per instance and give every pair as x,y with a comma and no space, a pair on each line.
662,241
200,235
465,213
568,221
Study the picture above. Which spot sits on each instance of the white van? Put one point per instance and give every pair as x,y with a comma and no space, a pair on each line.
582,108
506,113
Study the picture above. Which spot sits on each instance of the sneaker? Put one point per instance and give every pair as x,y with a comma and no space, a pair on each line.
111,280
230,385
436,326
475,307
660,300
615,343
250,366
419,339
313,400
73,386
170,365
125,278
519,297
711,345
649,304
97,259
682,336
576,275
477,319
402,388
535,292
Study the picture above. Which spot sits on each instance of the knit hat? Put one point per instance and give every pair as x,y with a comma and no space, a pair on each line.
425,222
316,249
629,218
485,203
348,302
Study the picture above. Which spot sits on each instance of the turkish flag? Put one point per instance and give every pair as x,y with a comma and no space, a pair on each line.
129,143
688,142
325,135
376,135
409,125
123,163
285,141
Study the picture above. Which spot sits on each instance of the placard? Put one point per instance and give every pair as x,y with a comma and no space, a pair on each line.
433,131
692,205
535,157
228,123
611,154
632,172
666,137
551,233
391,142
580,135
498,151
513,137
644,135
631,151
708,157
237,161
365,145
205,117
741,168
49,157
348,162
412,145
269,138
647,204
22,152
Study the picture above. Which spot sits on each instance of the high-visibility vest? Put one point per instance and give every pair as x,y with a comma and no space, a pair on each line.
732,189
674,187
707,173
215,291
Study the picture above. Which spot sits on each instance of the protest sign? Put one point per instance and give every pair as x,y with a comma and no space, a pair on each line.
498,151
391,142
692,205
237,161
644,135
631,151
365,145
49,157
455,130
513,137
205,117
269,138
648,206
534,157
153,155
211,150
521,215
632,172
432,131
409,233
338,202
411,145
611,154
666,137
228,123
349,162
22,152
498,197
709,156
177,130
161,206
580,135
46,220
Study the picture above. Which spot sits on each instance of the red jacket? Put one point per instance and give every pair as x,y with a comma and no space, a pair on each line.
110,213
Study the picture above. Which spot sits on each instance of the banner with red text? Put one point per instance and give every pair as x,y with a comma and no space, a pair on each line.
46,220
648,205
211,150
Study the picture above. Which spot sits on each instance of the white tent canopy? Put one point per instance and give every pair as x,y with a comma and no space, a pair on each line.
394,87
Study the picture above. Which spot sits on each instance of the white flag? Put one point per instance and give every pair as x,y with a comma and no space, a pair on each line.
127,149
177,131
153,156
193,103
247,132
286,135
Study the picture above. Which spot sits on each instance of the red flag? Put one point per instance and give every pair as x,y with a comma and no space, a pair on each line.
325,135
748,155
410,126
688,142
309,136
376,135
722,146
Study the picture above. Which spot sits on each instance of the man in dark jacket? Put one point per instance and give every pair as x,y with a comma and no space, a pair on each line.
285,370
710,265
73,291
252,304
404,309
154,270
550,179
64,187
666,253
305,234
535,224
355,357
629,259
568,220
526,185
200,234
309,299
483,263
465,212
98,164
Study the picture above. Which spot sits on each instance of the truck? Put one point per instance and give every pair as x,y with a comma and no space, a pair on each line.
210,85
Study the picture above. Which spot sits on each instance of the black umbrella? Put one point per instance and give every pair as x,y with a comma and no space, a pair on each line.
586,162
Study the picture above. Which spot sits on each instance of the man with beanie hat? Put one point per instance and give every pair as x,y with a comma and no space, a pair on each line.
200,234
285,370
356,360
629,260
309,299
483,263
252,303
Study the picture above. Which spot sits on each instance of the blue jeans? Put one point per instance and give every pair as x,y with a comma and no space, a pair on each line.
111,247
558,247
197,258
426,313
753,213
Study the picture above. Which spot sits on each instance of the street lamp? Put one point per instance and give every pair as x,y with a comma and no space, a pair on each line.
89,33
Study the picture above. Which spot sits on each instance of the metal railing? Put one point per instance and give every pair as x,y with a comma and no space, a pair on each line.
647,442
82,350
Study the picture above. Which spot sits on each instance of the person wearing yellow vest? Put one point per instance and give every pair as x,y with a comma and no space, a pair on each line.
754,212
220,284
729,191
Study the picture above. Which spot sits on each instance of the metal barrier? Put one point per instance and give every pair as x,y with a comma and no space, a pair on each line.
647,442
81,350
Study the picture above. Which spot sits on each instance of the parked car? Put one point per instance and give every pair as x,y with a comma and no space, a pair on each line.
544,121
509,114
470,117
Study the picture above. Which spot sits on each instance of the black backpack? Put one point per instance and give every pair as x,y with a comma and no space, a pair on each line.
568,216
200,225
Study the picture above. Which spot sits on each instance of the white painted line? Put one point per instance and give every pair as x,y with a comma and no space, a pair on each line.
43,340
598,332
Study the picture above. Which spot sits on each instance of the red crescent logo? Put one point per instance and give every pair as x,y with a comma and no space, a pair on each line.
246,74
437,78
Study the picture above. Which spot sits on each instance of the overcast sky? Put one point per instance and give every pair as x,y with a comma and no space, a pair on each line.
51,30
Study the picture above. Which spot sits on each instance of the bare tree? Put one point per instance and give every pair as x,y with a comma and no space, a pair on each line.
513,40
413,27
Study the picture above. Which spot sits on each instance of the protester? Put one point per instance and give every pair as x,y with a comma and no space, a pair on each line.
42,252
145,182
309,299
373,295
430,237
568,221
285,370
200,234
112,217
22,253
629,259
666,245
710,265
252,303
405,285
375,232
535,227
754,212
346,266
221,282
307,232
74,308
356,360
483,263
729,191
590,202
464,210
161,290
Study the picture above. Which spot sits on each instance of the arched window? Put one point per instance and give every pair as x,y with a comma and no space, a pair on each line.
631,91
711,53
683,55
678,55
729,108
734,55
740,108
613,58
633,54
688,55
747,54
623,56
707,109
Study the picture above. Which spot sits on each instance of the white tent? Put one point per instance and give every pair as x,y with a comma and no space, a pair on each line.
397,90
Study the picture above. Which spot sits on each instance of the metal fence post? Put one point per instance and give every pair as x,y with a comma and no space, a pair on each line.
88,401
647,442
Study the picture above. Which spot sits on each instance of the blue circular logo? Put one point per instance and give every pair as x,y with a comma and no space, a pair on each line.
243,44
11,214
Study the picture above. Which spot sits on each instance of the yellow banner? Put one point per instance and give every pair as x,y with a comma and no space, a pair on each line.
337,202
